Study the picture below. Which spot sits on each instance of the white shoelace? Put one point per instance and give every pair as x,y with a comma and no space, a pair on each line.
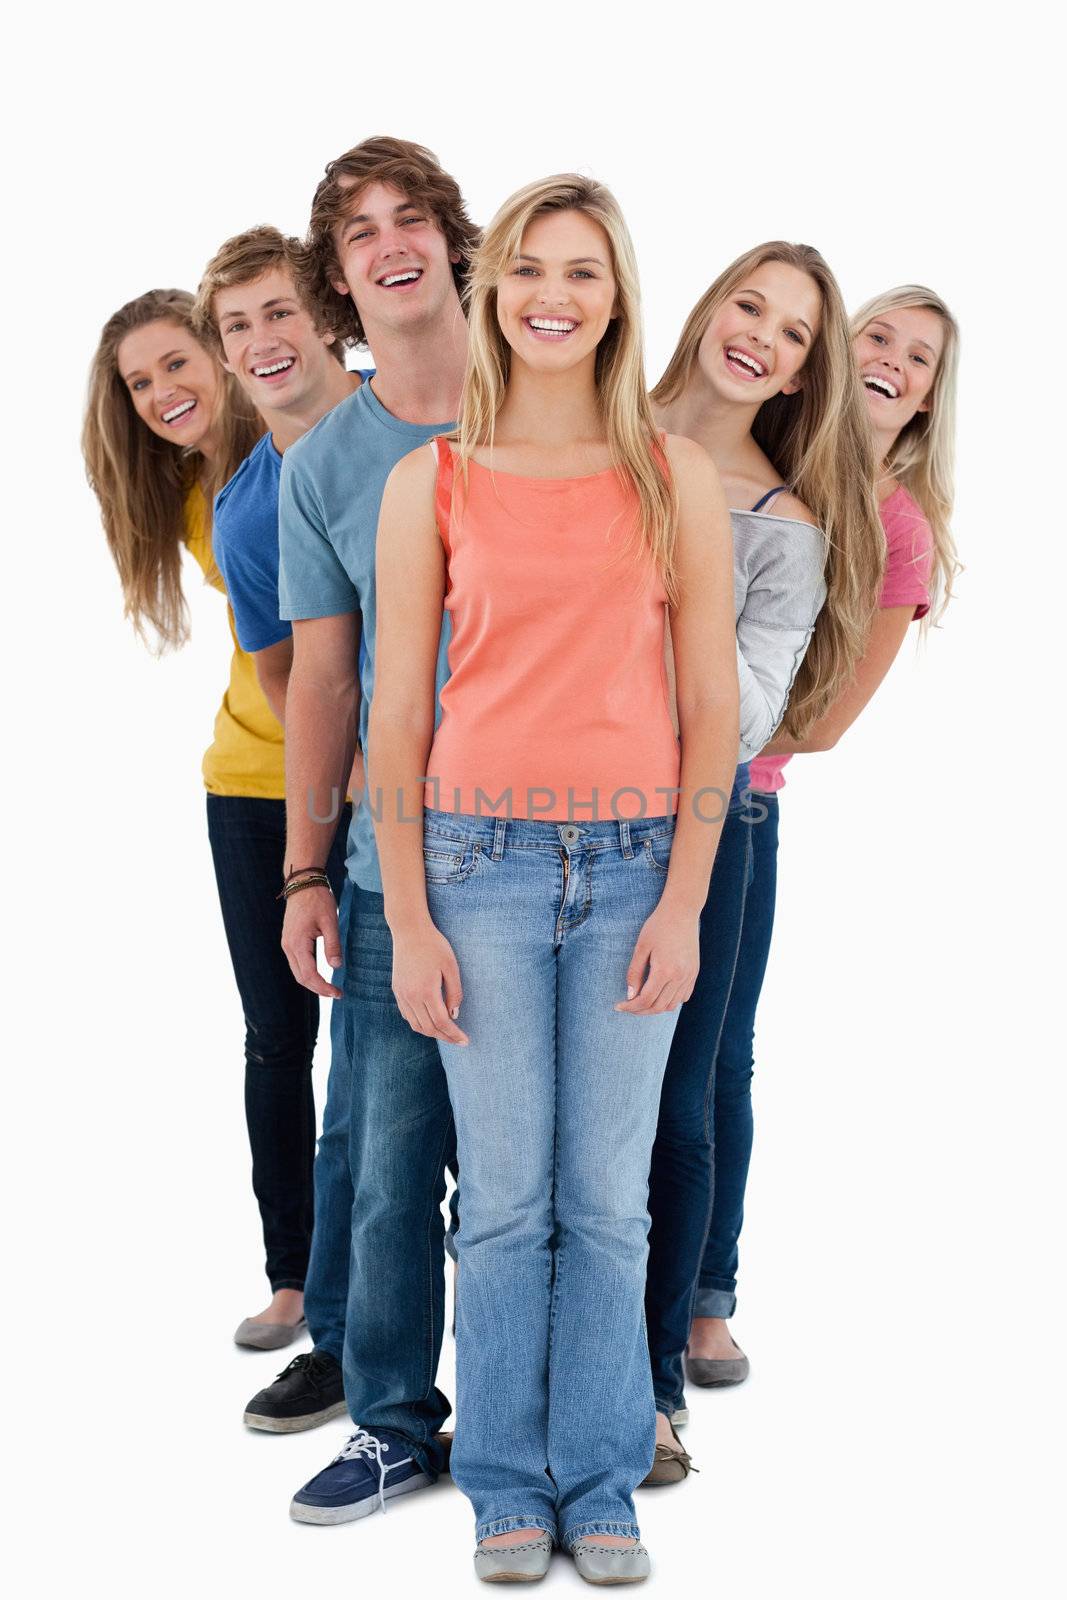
366,1444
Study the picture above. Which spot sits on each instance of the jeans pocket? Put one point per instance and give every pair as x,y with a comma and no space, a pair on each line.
658,852
449,861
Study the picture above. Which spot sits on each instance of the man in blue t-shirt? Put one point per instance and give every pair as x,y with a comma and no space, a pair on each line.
386,256
249,311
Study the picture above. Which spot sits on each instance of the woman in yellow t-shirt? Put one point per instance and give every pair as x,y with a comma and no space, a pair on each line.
166,426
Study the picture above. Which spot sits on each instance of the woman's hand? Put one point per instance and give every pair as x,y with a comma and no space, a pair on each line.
423,963
669,947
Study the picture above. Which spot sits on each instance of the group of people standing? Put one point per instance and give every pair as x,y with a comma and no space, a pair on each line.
532,644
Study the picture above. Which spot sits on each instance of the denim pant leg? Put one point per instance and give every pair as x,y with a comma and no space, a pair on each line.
683,1158
733,1075
610,1069
326,1288
502,1086
401,1137
281,1021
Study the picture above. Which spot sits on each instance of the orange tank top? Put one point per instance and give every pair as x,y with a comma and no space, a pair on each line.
557,706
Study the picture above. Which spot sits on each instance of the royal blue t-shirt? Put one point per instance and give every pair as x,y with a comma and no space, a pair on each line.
245,540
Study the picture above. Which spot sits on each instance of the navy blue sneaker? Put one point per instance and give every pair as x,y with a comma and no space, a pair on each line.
369,1471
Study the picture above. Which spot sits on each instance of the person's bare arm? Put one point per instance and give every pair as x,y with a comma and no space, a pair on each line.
321,720
705,664
272,670
888,631
410,581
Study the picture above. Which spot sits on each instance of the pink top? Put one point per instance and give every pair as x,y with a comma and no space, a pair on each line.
557,704
909,560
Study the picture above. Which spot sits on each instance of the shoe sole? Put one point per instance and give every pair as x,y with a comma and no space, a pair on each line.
680,1417
716,1383
328,1516
312,1419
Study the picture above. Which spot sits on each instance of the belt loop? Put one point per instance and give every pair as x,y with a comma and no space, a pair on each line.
498,837
624,840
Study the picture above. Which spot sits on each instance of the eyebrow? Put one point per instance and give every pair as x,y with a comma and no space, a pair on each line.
364,216
758,293
882,323
279,300
577,261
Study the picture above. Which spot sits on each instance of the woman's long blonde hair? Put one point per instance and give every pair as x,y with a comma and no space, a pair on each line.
819,442
141,481
632,437
923,457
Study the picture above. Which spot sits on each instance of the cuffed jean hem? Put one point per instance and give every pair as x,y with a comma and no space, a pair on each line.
714,1303
489,1530
287,1283
668,1407
625,1530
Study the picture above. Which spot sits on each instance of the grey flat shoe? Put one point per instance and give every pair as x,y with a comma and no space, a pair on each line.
611,1563
255,1335
514,1563
717,1374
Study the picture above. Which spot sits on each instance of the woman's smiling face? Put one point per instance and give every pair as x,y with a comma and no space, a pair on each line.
759,338
557,297
898,355
172,380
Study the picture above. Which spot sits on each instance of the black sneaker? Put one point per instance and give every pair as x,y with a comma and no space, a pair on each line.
310,1391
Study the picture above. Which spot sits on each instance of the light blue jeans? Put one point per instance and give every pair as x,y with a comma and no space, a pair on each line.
555,1101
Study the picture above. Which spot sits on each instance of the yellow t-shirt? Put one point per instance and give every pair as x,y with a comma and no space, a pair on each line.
247,756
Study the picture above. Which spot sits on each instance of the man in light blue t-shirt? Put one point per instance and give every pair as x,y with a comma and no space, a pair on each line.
387,253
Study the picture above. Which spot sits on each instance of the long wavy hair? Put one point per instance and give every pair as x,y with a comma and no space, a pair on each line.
632,438
819,442
142,481
923,457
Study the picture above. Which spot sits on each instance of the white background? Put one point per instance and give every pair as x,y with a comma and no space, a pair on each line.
900,1263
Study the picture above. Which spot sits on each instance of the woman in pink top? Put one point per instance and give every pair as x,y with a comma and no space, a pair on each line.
544,885
906,343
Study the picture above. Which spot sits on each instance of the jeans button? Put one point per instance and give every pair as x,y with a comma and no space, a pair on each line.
569,834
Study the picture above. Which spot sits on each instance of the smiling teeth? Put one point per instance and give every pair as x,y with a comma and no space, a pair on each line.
279,366
747,361
178,411
883,386
551,325
400,277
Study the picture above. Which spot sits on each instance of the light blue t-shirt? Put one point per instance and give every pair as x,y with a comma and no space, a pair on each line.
245,541
331,490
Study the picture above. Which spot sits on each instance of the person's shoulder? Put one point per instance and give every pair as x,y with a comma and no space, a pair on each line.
261,461
333,432
687,457
904,521
792,509
419,467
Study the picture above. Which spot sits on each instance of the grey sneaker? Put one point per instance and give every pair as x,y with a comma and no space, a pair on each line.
514,1563
611,1563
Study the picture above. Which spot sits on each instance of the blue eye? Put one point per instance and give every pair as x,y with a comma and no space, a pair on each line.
877,337
746,305
174,365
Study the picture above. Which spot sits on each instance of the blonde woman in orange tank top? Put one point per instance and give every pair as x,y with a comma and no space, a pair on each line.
545,855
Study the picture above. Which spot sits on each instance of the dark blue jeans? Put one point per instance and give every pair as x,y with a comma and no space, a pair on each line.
681,1181
400,1140
281,1022
733,1074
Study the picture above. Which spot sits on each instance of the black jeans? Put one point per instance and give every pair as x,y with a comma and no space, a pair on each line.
281,1021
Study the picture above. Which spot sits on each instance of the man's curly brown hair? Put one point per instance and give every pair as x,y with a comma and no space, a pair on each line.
417,173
